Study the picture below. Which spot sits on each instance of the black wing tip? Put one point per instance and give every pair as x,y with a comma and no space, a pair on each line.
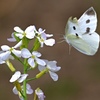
91,11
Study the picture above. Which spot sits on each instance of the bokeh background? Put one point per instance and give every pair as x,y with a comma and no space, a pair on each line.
79,77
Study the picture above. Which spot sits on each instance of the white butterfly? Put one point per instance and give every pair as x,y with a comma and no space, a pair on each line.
81,33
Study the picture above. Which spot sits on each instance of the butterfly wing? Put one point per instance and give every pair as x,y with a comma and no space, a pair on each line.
92,39
88,21
87,25
80,33
79,44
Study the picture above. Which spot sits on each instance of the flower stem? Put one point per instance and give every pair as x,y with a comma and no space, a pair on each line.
24,83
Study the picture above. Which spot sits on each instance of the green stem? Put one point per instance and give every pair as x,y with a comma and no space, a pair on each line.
25,82
31,79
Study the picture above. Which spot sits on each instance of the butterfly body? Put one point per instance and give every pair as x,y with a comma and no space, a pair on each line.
81,33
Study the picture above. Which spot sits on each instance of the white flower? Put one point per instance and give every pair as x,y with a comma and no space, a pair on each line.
52,68
17,76
6,51
42,37
29,32
40,94
12,39
29,90
32,58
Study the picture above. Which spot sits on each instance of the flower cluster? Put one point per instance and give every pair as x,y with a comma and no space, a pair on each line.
30,59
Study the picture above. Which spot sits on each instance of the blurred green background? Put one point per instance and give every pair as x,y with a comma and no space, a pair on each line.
79,78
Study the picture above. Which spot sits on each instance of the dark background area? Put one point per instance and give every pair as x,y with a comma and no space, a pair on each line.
79,77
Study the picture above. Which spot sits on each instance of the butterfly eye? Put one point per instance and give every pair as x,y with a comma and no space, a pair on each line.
87,21
74,27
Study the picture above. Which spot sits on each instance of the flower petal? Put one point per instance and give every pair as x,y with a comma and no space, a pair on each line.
15,90
40,94
19,35
16,52
53,75
51,65
25,53
5,47
37,54
40,61
28,89
18,29
22,78
12,39
30,32
30,29
15,76
49,42
1,61
40,68
5,55
18,44
31,62
49,35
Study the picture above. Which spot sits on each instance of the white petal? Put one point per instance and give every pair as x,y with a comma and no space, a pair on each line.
49,42
22,78
49,35
28,89
17,29
30,32
1,61
40,68
15,77
15,90
55,69
5,47
30,35
40,94
53,75
16,52
51,65
40,61
12,39
25,53
30,29
5,55
19,35
18,44
37,54
31,62
41,30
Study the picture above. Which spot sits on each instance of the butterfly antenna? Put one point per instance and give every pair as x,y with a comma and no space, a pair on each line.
70,49
61,41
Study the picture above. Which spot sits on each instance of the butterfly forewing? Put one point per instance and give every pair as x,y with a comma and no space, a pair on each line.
88,21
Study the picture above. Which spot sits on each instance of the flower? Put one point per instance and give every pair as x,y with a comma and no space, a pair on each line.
32,58
29,90
17,76
6,51
40,94
28,33
12,39
42,37
51,68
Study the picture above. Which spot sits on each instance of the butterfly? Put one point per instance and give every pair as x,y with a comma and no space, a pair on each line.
80,33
